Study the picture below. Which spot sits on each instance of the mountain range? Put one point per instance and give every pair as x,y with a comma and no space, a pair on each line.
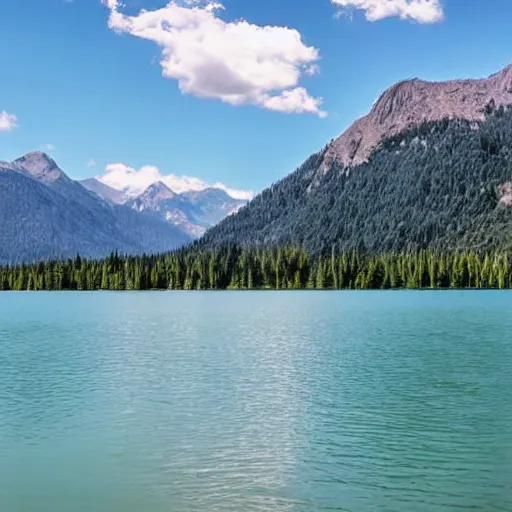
430,166
45,214
192,211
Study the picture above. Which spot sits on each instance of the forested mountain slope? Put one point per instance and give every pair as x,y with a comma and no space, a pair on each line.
44,214
440,185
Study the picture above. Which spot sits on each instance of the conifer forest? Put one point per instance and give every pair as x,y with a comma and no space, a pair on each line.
273,269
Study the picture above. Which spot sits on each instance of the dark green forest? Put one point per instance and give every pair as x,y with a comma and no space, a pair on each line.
434,187
281,268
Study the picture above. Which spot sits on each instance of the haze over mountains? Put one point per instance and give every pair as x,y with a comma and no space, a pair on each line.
44,214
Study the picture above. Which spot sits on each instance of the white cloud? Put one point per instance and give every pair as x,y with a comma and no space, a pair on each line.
7,121
236,62
422,11
112,4
132,181
296,100
91,162
48,147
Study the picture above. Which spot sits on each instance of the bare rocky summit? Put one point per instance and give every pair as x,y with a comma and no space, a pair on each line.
412,102
153,197
40,166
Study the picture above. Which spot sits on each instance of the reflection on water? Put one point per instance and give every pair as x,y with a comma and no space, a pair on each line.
388,401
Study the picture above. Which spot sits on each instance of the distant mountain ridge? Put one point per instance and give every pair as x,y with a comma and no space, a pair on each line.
104,191
193,212
44,214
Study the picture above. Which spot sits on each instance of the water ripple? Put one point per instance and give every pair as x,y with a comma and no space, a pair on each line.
299,402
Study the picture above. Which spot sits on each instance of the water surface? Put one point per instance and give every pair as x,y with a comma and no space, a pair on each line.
252,401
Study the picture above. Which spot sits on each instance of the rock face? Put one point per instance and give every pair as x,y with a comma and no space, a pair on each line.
40,166
413,102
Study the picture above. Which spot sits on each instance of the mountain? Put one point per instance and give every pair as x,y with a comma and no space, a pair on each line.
431,168
104,191
213,204
154,197
44,214
173,208
41,167
413,102
193,212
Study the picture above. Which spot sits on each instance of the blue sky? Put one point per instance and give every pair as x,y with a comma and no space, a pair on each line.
87,80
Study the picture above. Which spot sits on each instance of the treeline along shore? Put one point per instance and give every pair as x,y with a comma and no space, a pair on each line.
279,268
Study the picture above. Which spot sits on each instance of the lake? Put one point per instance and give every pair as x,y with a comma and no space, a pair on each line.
256,401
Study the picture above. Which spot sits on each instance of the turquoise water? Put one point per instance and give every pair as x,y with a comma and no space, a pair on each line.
249,401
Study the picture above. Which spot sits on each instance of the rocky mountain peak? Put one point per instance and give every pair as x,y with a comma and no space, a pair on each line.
503,80
159,191
153,197
40,166
412,102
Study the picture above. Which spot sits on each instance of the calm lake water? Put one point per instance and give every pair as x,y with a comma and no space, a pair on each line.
249,401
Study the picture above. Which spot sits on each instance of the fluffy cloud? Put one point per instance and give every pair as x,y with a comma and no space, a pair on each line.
7,121
112,4
91,162
133,182
422,11
48,147
236,62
